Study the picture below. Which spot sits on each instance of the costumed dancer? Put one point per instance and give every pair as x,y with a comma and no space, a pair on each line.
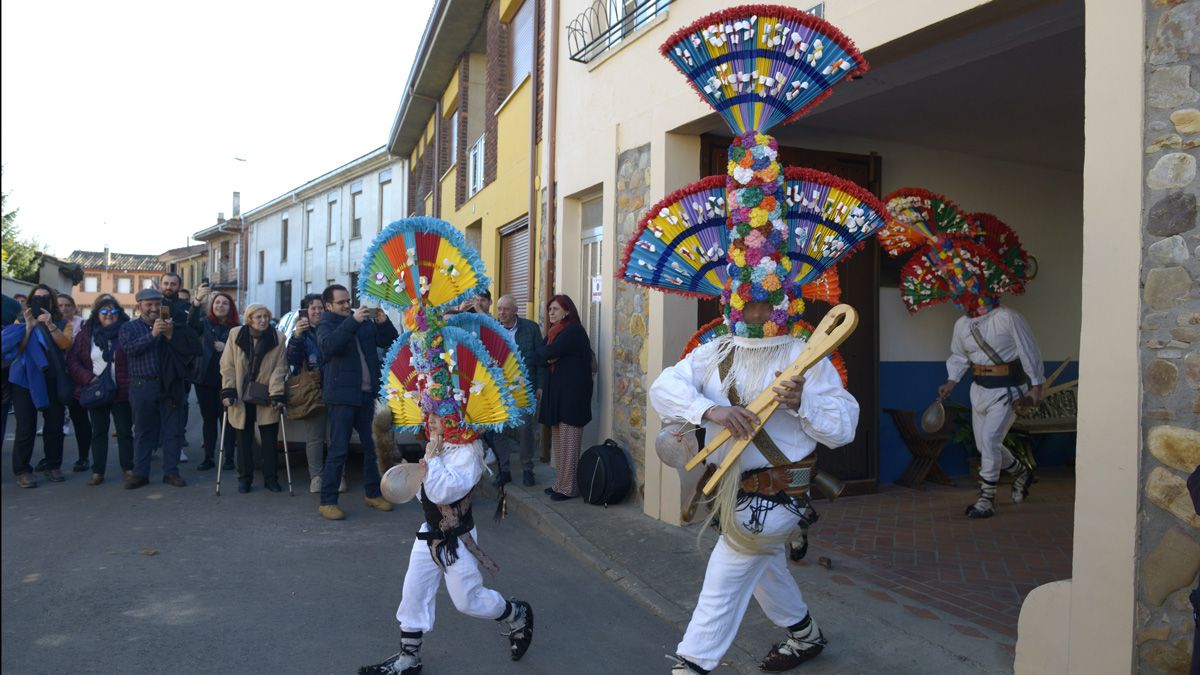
970,260
760,239
455,377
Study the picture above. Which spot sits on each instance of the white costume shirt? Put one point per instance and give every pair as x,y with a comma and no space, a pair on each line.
1007,333
828,413
451,475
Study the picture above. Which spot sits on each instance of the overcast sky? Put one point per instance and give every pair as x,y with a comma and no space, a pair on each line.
121,119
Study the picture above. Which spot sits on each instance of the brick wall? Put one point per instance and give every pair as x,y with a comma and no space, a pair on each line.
464,89
496,86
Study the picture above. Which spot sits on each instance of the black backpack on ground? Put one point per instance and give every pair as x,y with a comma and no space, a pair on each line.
604,476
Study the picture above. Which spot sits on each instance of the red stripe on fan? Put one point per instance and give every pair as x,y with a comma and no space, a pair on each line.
495,344
466,369
427,251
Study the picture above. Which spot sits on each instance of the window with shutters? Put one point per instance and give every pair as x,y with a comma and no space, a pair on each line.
514,264
520,49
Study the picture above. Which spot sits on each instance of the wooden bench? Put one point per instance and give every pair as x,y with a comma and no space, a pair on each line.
925,448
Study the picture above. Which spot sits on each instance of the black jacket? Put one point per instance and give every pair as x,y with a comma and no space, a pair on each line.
567,398
341,372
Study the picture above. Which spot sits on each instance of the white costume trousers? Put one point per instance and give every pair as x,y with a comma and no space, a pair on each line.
729,581
991,416
464,582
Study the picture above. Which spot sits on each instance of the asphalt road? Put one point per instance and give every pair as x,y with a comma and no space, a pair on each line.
177,580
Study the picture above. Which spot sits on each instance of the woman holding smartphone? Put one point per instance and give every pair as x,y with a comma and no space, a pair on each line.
35,387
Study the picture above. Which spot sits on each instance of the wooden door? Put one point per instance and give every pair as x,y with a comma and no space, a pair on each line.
858,462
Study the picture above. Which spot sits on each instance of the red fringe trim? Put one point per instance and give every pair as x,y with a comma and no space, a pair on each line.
774,11
825,288
923,194
849,187
694,341
691,189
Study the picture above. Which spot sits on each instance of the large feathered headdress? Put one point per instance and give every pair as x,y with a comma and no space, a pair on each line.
761,233
464,368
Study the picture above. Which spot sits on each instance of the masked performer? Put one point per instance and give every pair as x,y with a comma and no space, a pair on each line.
760,239
970,260
455,377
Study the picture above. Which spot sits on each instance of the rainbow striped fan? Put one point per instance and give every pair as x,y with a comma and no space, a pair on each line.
916,217
717,328
1001,240
762,65
479,385
421,260
959,270
504,352
828,218
682,240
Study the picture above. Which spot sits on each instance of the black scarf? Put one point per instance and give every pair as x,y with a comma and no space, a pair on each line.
106,338
256,350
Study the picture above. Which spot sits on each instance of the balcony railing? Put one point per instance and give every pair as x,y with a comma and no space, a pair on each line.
606,22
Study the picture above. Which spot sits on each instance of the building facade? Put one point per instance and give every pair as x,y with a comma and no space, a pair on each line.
225,252
189,262
120,274
1072,160
470,124
315,235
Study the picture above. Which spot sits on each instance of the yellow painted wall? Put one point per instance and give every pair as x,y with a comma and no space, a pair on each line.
508,8
450,96
507,197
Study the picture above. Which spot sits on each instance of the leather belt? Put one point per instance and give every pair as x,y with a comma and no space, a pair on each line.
990,370
792,479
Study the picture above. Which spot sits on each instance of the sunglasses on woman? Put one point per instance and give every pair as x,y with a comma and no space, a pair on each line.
108,311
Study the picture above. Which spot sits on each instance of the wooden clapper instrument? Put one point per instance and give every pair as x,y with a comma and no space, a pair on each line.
837,325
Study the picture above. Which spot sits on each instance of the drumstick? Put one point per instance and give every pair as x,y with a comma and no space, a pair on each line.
837,325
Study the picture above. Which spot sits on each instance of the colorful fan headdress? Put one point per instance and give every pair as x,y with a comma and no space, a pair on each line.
464,368
761,233
969,260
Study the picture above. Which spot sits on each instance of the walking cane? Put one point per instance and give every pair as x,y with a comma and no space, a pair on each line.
221,457
286,461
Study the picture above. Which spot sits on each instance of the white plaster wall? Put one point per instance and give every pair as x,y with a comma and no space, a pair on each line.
265,234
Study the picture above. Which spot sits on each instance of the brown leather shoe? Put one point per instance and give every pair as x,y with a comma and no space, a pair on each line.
331,512
135,481
378,503
174,480
25,480
96,479
55,475
127,474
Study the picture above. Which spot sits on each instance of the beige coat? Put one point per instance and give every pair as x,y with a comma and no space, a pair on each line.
235,365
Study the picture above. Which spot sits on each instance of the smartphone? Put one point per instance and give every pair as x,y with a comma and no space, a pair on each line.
164,313
204,282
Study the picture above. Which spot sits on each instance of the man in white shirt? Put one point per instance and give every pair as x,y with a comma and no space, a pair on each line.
997,345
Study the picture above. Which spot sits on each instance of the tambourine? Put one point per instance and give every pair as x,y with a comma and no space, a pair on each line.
401,483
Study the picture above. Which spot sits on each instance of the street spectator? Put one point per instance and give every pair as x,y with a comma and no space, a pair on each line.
222,315
72,324
179,300
10,310
39,377
304,357
567,404
158,349
528,337
253,371
97,353
349,341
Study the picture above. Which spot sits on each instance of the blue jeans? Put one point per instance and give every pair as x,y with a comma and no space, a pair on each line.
344,419
155,418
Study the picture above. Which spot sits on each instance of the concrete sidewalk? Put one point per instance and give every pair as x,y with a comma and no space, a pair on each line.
871,628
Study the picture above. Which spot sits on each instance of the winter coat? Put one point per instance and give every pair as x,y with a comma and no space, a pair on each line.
80,364
567,398
235,367
341,371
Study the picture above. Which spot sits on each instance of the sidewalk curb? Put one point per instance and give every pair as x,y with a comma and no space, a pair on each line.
558,529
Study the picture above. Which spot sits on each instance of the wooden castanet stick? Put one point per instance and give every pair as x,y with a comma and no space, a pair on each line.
837,325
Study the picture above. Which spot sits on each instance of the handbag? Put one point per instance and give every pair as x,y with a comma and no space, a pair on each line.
304,395
99,392
256,393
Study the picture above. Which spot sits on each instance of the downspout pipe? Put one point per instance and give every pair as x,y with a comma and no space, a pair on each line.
534,216
550,135
437,151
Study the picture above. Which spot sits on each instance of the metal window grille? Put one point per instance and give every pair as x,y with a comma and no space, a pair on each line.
606,22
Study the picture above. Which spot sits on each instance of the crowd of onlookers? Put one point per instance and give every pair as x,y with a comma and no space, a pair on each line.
130,372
